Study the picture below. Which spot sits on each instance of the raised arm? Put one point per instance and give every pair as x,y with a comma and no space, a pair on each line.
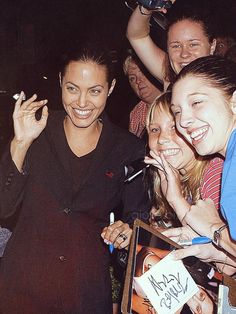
12,175
138,34
26,127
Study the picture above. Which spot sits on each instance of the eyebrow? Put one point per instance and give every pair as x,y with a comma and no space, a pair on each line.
190,95
158,123
98,85
177,41
196,93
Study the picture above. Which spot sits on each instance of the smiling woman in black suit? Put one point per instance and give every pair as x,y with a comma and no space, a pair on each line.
65,172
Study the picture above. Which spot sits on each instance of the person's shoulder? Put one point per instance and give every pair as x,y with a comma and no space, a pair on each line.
215,166
216,161
140,106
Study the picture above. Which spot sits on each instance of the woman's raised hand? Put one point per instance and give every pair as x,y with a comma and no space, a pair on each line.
169,176
170,184
26,126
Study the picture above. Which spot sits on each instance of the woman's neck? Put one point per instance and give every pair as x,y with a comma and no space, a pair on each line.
82,140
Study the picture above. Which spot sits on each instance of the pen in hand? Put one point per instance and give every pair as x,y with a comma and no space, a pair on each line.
112,220
197,240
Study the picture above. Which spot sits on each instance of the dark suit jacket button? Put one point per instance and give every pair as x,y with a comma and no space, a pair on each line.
62,258
66,210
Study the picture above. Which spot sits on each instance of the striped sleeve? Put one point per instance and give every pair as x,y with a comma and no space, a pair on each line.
211,181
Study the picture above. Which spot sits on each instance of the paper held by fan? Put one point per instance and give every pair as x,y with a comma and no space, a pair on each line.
168,285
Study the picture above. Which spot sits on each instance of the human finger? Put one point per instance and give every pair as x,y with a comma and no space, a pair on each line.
20,99
26,102
35,105
163,164
103,233
44,115
168,167
154,161
123,239
19,102
119,227
155,156
111,232
172,232
192,250
44,112
120,234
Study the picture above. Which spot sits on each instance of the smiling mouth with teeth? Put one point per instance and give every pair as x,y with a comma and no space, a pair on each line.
199,134
82,112
170,152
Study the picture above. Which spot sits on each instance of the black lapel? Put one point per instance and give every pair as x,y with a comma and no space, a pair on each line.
104,146
57,139
56,136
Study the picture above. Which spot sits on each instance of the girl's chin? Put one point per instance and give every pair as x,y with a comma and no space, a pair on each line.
203,151
174,164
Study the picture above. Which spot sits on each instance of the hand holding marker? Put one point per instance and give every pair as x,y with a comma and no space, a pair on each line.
112,220
197,240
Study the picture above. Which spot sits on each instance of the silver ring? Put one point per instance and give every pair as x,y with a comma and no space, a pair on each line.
123,236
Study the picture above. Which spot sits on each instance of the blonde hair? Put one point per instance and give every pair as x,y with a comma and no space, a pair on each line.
126,64
190,181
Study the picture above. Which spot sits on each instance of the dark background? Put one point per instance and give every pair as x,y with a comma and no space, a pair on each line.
33,33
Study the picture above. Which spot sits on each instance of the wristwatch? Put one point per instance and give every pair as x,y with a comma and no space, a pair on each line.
217,235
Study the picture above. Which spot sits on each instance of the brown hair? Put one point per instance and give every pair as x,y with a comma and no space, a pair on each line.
217,72
203,21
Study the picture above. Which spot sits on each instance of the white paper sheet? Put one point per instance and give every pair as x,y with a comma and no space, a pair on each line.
168,285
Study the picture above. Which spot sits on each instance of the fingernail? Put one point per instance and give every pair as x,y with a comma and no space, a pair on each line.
23,95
